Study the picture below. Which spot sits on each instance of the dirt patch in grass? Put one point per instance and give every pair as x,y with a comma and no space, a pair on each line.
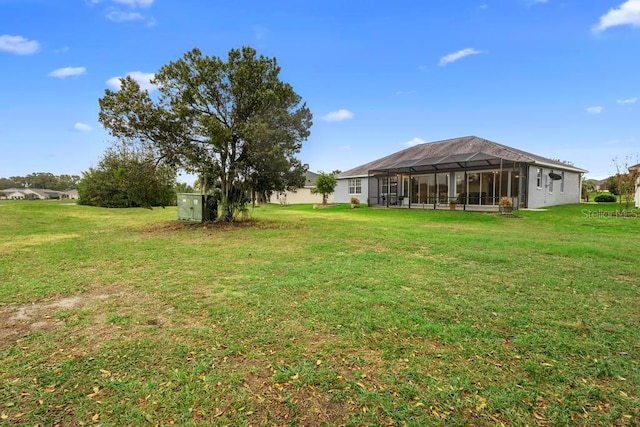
99,314
290,401
17,321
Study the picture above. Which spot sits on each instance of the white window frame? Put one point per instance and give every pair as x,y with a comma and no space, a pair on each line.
539,178
354,185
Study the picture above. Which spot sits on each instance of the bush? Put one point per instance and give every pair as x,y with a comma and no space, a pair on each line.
606,198
355,201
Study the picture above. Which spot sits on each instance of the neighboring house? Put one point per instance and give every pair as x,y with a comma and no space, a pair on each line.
69,194
43,193
471,171
30,194
14,194
301,195
602,186
636,169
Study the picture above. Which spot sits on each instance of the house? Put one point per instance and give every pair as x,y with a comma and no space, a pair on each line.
14,194
602,186
301,195
30,194
635,169
69,194
472,172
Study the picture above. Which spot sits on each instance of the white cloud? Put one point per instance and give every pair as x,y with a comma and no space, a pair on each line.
68,72
414,141
143,79
594,110
130,3
627,101
18,45
125,10
135,3
338,116
452,57
82,127
116,15
628,13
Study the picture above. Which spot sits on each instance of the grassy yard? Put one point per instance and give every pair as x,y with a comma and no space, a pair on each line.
318,317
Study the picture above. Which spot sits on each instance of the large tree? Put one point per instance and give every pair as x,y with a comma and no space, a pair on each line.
235,121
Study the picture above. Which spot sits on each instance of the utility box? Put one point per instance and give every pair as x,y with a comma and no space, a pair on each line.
196,207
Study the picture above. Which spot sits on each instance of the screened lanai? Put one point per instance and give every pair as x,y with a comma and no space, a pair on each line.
472,180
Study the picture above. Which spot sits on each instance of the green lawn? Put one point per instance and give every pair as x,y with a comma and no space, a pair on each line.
318,317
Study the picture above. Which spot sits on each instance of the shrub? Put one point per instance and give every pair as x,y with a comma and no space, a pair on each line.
605,198
355,201
505,202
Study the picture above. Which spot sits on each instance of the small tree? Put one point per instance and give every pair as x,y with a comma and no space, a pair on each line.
588,186
127,177
325,185
623,181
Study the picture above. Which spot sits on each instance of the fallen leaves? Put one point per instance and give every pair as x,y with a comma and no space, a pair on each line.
96,391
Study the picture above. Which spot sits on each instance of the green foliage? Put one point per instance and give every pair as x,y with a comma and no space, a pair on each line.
612,185
127,177
325,185
182,187
43,180
607,198
235,122
588,186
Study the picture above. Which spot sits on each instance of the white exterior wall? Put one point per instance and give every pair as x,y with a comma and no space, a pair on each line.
300,196
540,197
342,191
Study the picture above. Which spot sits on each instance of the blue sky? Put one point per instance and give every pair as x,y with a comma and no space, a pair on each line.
558,78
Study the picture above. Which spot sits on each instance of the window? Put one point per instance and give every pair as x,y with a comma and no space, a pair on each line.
539,178
384,186
562,183
355,186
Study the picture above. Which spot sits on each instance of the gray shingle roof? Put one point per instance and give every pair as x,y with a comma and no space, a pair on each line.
455,148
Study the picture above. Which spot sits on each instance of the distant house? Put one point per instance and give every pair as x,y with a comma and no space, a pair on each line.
300,195
69,194
14,194
602,186
30,194
470,171
636,169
